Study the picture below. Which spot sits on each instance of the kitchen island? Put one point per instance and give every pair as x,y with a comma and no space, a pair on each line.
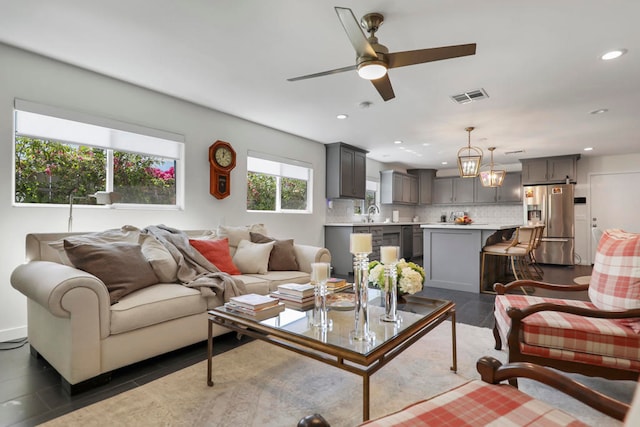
452,253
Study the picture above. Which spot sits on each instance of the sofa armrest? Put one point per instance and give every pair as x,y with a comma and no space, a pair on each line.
306,254
48,284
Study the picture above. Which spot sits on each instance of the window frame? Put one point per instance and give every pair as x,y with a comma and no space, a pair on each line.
114,136
278,196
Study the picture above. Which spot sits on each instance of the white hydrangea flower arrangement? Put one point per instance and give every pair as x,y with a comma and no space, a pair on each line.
410,276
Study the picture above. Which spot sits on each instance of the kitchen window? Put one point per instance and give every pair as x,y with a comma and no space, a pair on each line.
63,156
277,184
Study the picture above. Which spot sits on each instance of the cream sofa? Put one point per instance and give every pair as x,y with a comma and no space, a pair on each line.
73,326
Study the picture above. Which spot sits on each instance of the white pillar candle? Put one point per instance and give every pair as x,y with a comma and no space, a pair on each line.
389,254
319,271
361,243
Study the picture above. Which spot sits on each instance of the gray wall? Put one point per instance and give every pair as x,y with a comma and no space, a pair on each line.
31,77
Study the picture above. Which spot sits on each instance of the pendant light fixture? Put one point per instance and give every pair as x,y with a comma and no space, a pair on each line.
492,177
469,159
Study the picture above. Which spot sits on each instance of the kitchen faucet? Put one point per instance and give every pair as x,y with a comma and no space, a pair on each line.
369,212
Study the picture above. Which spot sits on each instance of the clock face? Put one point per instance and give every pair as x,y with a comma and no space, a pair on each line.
223,156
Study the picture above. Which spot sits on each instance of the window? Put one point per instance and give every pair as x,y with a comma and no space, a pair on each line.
58,158
278,185
371,197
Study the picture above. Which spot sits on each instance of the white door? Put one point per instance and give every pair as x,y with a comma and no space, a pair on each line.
614,203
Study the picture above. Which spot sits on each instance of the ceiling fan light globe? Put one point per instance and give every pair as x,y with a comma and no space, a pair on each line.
372,70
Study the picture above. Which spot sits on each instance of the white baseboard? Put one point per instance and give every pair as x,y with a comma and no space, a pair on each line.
13,334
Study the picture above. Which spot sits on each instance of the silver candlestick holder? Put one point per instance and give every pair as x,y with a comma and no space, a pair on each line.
390,294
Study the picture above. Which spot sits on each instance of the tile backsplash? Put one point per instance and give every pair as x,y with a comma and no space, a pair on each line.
342,211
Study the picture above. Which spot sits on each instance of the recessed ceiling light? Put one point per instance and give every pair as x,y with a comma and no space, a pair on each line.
426,144
445,163
342,116
588,149
402,148
613,54
599,111
397,141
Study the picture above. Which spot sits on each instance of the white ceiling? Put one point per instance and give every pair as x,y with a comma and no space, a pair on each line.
537,60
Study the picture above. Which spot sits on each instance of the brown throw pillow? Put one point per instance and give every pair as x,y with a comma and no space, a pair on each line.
283,256
121,266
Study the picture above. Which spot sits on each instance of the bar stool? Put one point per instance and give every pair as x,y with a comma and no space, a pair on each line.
518,251
535,271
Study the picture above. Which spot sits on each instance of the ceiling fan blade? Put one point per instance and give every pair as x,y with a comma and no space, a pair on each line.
354,32
412,57
384,88
323,73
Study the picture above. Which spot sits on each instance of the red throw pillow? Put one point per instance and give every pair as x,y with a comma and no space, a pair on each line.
217,253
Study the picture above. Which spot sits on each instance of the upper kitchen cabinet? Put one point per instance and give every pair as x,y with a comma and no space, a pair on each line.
453,191
346,171
399,188
425,184
549,170
509,192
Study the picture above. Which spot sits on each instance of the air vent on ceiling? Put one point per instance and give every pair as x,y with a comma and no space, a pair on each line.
473,95
514,152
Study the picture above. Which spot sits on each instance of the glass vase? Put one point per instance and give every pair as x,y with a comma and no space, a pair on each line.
361,287
390,294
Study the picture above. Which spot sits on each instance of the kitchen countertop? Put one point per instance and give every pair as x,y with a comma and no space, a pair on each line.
369,224
472,226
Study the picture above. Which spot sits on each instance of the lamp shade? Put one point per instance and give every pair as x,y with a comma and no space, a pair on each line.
469,159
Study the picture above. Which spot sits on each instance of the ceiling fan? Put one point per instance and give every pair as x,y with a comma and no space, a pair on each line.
373,59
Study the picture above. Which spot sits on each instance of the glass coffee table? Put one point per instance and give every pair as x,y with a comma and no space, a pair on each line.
294,330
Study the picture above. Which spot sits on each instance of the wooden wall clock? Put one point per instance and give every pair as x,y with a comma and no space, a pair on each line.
222,159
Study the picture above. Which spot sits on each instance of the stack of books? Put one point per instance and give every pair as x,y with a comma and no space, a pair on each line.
337,285
295,295
257,306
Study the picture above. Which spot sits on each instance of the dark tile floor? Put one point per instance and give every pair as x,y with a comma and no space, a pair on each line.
30,391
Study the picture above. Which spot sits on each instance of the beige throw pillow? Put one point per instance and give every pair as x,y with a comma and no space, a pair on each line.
161,260
252,257
237,233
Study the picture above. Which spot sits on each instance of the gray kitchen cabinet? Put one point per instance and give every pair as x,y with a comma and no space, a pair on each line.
511,189
509,192
425,184
397,187
346,171
418,240
453,191
337,240
549,170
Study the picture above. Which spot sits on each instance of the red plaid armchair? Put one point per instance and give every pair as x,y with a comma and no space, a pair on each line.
600,337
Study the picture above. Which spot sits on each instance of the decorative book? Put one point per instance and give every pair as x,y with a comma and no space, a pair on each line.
262,314
254,301
296,289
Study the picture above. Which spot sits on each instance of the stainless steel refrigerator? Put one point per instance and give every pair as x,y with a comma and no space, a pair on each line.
552,205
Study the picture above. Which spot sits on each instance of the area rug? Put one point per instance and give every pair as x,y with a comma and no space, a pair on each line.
258,384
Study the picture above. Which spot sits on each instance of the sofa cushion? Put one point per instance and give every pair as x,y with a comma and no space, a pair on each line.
161,260
252,257
566,336
121,266
217,253
282,257
255,283
615,279
156,304
275,278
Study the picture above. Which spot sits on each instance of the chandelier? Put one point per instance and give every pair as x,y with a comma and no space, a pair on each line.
492,177
469,159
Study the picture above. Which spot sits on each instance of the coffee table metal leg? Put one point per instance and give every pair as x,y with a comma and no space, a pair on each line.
454,367
365,397
209,353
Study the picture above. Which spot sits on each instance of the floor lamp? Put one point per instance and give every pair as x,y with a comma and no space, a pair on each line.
102,198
